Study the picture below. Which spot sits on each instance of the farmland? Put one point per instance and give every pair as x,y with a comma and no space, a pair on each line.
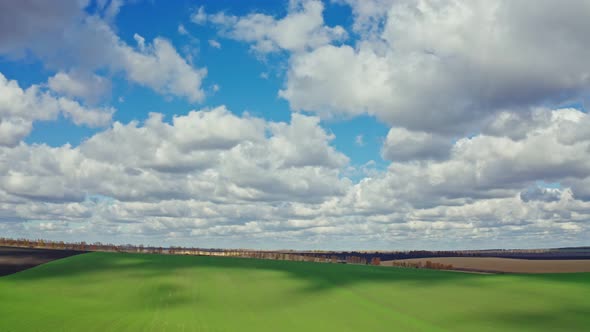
505,265
135,292
14,259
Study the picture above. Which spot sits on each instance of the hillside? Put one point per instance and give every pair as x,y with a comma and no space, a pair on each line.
132,292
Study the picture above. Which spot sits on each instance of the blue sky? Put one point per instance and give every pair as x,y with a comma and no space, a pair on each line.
349,124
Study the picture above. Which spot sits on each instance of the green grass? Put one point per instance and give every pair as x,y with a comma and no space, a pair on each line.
126,292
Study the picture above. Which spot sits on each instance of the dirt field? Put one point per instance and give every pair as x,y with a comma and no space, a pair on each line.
508,265
13,260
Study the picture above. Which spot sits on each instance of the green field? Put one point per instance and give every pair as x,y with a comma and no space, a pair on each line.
127,292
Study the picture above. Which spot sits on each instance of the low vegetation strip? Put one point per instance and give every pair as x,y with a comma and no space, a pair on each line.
503,265
139,292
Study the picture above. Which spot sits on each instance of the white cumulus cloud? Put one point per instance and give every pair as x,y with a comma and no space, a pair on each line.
19,108
301,29
447,66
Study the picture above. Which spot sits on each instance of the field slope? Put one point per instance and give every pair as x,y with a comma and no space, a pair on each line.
126,292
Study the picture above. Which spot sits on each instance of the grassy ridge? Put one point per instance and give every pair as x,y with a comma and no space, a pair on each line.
126,292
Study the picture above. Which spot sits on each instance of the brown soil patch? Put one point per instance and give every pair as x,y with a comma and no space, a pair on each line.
507,265
13,260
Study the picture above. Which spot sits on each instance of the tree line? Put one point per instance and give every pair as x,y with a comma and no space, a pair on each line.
320,256
177,250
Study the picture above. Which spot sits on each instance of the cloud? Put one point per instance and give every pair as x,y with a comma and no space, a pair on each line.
13,130
368,14
161,68
486,167
359,140
402,145
111,10
80,115
19,108
22,22
217,176
67,39
86,86
301,29
472,92
446,67
580,188
209,172
182,30
210,154
199,17
541,194
214,43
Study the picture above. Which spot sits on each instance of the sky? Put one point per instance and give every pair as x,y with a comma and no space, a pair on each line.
304,124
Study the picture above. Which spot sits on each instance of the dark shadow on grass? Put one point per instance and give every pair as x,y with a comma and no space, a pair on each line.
165,295
560,318
577,277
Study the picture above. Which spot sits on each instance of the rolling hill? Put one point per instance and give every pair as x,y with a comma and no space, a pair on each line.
134,292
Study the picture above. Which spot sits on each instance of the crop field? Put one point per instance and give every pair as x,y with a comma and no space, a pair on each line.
509,265
134,292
